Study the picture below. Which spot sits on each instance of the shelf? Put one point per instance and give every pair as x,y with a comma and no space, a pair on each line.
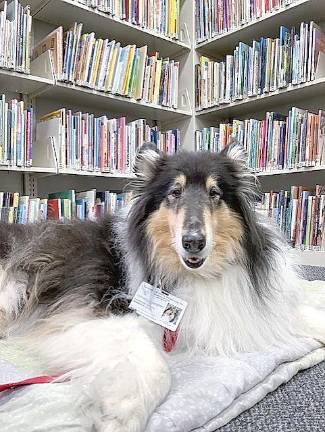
289,95
21,83
47,88
109,102
302,170
306,257
65,171
30,170
303,10
65,12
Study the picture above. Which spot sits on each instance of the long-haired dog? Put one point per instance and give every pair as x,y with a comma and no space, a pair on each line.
192,229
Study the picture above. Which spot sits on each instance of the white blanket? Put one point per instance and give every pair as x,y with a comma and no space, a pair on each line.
206,392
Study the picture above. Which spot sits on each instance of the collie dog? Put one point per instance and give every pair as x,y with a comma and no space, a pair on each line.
193,230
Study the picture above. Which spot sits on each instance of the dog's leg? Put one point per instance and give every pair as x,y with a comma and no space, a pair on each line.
116,360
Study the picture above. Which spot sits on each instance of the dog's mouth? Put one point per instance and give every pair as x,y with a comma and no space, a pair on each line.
193,262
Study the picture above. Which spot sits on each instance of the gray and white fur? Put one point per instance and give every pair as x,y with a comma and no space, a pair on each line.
65,286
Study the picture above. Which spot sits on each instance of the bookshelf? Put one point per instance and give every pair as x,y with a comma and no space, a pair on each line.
100,101
47,94
59,12
300,10
294,94
292,172
17,82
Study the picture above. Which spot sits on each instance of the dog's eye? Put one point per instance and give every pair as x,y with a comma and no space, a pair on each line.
176,193
214,192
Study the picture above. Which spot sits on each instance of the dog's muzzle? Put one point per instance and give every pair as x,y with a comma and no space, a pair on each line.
193,244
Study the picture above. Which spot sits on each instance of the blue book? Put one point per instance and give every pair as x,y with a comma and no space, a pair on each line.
81,209
262,64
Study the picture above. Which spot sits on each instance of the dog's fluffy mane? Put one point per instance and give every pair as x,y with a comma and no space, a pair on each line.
92,268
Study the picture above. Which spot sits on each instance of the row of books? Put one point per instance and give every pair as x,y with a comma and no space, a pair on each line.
265,66
15,36
86,142
16,133
300,213
108,66
160,16
215,17
67,205
276,142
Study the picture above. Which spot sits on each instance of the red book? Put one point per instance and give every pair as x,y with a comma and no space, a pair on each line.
54,209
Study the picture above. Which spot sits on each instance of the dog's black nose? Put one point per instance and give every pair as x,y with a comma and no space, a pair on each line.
193,243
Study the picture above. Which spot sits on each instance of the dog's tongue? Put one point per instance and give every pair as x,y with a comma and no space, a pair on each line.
170,339
193,260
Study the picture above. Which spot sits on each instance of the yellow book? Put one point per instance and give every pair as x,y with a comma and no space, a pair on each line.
128,70
67,209
97,55
15,200
12,214
157,81
112,67
51,115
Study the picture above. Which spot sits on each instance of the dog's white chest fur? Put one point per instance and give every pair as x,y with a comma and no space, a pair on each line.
223,316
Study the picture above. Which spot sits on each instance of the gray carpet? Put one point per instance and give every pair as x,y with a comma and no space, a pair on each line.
298,406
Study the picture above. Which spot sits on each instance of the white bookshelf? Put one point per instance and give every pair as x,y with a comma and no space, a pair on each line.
292,94
300,10
66,171
100,101
65,12
17,82
33,170
293,171
48,94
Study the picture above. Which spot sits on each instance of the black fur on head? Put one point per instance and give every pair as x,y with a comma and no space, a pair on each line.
156,173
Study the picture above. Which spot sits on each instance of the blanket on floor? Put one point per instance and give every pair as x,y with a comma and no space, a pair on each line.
206,392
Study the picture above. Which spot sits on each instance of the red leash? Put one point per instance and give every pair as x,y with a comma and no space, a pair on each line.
170,339
35,380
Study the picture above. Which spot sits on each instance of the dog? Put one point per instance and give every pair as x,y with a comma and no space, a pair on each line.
192,229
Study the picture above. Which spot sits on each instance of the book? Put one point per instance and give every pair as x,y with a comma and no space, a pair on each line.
54,209
213,18
65,205
85,60
53,43
16,133
274,143
300,214
68,202
162,17
87,143
15,36
262,67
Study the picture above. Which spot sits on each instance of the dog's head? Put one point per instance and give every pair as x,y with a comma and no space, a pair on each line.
191,210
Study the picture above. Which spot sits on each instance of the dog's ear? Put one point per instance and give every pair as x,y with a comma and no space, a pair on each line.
248,182
147,161
235,151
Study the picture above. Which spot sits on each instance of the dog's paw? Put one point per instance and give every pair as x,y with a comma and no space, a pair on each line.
129,398
127,415
114,425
